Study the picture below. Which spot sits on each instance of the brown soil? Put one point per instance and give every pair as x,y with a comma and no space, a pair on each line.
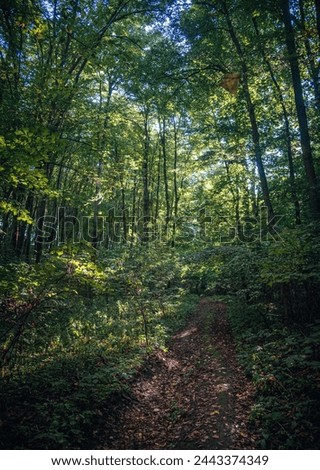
195,396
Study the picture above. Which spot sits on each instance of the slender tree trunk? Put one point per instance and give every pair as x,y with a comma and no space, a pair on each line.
157,202
27,244
95,235
40,214
23,231
95,229
292,178
145,179
135,215
314,201
124,215
175,184
165,173
236,200
252,115
257,150
313,68
14,233
15,224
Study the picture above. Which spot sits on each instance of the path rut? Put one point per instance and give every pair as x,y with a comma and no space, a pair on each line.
195,396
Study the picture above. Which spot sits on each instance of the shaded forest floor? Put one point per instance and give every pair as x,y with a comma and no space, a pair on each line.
194,396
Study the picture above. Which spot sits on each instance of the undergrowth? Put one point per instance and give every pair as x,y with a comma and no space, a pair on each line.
272,290
273,298
71,344
284,364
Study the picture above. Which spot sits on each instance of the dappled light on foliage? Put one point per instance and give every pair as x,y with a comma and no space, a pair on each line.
159,224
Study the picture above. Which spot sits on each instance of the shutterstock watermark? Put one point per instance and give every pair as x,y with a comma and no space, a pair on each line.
113,228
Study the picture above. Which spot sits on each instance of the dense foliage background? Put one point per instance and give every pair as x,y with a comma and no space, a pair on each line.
151,152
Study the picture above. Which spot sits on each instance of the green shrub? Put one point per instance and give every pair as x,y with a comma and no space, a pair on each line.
72,360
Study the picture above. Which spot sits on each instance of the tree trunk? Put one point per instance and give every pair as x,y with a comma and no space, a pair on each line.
314,201
157,202
293,186
165,174
40,214
175,184
124,215
145,179
252,115
135,214
313,68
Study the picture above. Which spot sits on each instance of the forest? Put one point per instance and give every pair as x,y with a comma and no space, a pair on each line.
159,224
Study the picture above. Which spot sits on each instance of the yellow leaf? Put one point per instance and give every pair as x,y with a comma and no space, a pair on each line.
230,82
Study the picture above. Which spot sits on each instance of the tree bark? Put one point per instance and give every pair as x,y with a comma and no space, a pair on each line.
313,68
292,178
252,115
314,201
135,214
165,173
145,179
124,215
175,184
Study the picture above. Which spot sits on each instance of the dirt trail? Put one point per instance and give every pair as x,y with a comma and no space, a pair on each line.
194,396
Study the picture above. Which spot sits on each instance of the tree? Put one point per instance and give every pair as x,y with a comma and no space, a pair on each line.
307,155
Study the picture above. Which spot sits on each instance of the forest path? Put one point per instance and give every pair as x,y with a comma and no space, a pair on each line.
195,396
